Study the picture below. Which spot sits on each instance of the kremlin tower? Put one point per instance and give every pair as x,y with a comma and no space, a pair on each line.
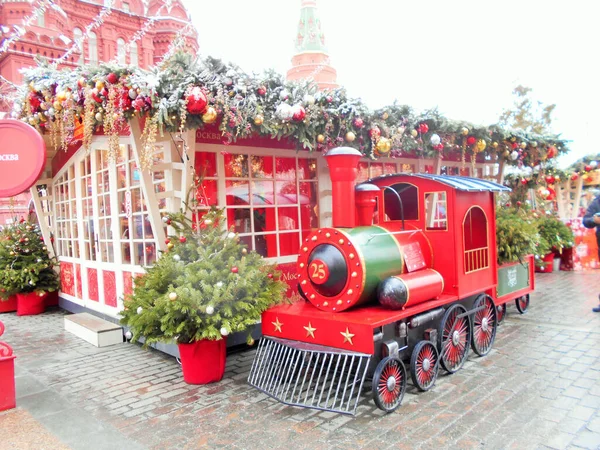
311,59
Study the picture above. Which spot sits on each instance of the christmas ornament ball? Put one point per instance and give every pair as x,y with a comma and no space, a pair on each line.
196,101
210,310
112,78
173,296
298,113
140,310
208,222
210,116
481,144
284,94
234,269
350,136
495,144
128,335
414,133
258,120
423,128
523,145
170,245
176,258
471,140
244,251
224,331
587,168
320,138
514,155
384,145
464,131
262,90
309,100
99,117
231,235
358,122
435,139
182,239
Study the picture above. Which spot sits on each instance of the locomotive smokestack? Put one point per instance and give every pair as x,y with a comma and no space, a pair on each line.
366,201
343,169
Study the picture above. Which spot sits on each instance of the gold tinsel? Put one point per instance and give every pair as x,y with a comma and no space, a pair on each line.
148,139
88,119
110,124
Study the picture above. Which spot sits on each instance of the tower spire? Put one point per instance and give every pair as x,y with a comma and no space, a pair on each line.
311,60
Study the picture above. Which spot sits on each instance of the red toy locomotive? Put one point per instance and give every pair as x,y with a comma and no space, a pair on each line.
407,273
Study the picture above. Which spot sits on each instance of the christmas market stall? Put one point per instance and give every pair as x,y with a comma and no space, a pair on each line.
127,146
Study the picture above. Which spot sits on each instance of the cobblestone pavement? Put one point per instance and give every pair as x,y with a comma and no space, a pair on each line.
538,388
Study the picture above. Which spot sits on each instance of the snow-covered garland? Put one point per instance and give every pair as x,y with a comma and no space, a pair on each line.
194,93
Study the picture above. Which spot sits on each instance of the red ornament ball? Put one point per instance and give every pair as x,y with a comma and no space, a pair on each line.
471,140
234,269
299,113
514,145
270,275
329,99
167,241
423,128
550,179
196,101
112,78
518,203
375,132
182,239
524,181
574,177
358,123
262,91
588,168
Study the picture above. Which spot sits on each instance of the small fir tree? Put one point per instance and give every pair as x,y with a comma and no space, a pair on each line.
25,265
205,286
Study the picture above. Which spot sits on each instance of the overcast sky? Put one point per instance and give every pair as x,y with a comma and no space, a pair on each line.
462,56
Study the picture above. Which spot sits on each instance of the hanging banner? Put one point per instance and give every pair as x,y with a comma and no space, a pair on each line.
22,157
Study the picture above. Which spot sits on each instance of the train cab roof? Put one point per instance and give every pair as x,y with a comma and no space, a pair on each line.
466,184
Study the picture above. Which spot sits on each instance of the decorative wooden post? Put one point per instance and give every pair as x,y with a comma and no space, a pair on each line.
7,375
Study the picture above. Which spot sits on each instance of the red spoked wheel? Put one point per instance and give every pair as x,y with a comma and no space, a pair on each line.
501,313
522,303
424,365
485,323
455,338
389,384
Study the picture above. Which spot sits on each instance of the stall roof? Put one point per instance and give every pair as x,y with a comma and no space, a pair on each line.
467,184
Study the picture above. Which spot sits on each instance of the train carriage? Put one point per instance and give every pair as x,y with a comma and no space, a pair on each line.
407,273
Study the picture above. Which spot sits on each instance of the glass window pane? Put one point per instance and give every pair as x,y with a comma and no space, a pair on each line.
206,164
389,168
264,220
307,169
207,193
376,170
288,218
239,219
309,206
262,166
262,193
238,193
236,166
289,244
286,169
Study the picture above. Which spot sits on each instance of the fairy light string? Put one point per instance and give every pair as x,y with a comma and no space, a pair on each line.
27,21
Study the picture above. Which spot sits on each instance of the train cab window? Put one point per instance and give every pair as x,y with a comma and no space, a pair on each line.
475,230
401,199
436,211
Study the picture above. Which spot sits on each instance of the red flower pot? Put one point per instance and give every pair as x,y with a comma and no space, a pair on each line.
30,303
203,361
9,305
7,381
52,299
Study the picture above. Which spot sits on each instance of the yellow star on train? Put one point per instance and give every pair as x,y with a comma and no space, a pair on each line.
277,324
310,331
347,336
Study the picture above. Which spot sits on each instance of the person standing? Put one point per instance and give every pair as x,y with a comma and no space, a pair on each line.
591,219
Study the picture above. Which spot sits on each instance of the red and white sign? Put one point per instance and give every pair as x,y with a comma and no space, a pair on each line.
22,157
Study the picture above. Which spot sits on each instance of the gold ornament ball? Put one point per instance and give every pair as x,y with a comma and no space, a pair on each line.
99,85
57,105
495,144
481,144
385,116
258,120
384,145
173,296
506,153
210,116
170,245
350,136
320,139
464,131
414,133
523,144
244,251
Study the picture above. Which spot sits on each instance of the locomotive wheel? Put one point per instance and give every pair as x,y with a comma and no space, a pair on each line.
389,384
454,338
424,365
522,303
501,313
485,323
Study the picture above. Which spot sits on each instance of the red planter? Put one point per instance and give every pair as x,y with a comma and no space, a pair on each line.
9,305
52,299
546,264
30,304
203,361
7,382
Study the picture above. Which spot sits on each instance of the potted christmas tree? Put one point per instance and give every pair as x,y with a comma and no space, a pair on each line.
205,287
27,269
8,298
